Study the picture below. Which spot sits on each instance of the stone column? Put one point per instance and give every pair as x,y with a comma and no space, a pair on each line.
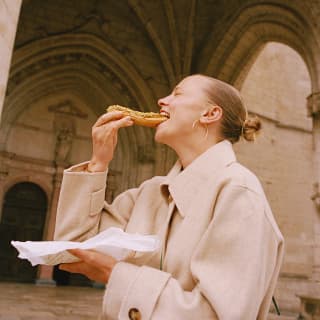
313,105
45,273
57,180
3,175
64,126
9,14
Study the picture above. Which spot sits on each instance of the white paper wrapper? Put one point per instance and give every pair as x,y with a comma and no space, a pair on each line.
113,241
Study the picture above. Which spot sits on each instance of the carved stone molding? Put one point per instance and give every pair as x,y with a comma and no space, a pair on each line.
67,108
316,196
64,59
313,104
4,171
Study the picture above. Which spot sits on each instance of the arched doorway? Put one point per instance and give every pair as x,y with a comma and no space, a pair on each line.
23,217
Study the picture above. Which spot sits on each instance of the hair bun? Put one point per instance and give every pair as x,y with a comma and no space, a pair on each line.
251,127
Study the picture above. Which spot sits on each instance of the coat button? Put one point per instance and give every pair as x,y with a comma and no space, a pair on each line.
134,314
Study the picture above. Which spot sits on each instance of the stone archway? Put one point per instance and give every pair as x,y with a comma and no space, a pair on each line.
86,67
235,52
23,218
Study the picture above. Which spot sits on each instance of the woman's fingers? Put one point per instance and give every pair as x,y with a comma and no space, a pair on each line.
107,117
95,265
75,267
110,127
94,258
104,139
124,122
112,117
87,270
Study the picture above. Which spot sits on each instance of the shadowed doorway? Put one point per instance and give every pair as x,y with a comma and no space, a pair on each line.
23,217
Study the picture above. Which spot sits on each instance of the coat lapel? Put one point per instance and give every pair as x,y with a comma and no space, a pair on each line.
185,186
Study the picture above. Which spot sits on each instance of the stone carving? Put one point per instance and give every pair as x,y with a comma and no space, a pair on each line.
68,108
316,196
313,104
4,170
71,57
64,126
63,145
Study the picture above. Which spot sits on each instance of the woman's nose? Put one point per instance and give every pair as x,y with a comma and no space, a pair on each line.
163,102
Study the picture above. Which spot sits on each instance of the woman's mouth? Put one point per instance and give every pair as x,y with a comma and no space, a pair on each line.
165,113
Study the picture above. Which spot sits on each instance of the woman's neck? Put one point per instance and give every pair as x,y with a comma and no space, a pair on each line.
188,153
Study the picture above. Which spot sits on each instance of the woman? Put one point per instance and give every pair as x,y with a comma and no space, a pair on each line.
221,248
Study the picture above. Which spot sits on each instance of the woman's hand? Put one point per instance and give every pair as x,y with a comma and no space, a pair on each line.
94,265
104,139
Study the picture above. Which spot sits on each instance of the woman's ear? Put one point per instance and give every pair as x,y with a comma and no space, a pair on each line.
211,114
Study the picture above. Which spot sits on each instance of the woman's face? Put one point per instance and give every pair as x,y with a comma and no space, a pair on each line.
183,106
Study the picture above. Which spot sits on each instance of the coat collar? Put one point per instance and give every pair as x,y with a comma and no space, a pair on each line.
184,186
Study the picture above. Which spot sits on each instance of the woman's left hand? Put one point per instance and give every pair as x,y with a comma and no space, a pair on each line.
94,265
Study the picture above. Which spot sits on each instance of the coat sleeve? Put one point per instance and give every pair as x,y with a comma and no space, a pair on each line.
234,266
82,210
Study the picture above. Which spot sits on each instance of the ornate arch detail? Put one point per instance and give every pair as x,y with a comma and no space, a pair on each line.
39,86
47,82
73,63
87,49
251,29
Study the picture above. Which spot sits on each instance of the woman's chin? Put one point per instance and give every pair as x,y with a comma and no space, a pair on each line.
160,135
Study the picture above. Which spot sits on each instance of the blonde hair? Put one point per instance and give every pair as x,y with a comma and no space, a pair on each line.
235,122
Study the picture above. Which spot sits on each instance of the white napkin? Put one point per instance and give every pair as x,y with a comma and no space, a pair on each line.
113,241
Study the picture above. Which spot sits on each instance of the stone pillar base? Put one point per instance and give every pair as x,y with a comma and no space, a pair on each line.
45,282
45,274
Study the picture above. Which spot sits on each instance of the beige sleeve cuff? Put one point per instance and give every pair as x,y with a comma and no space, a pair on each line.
83,168
132,287
87,184
81,200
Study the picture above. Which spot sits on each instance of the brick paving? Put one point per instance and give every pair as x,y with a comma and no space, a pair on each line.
33,302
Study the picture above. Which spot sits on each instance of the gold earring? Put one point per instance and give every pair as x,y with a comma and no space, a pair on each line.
207,131
195,123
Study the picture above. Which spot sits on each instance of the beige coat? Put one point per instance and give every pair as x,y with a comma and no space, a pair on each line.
221,248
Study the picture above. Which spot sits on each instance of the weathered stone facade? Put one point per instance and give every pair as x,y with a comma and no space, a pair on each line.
73,58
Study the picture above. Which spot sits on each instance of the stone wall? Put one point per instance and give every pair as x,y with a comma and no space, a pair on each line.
276,89
9,14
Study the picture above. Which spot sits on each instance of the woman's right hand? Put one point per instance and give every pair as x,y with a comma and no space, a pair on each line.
104,139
